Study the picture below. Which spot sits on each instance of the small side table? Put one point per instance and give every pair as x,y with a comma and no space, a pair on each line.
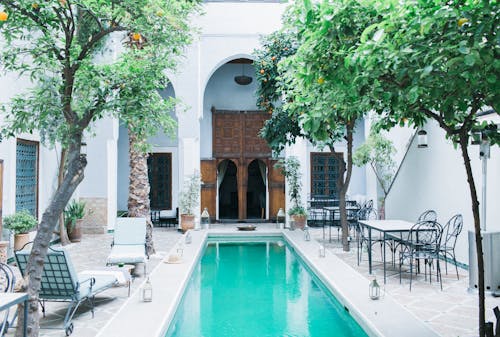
8,300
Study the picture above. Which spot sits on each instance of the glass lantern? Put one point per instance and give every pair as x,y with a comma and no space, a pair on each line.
205,219
147,291
322,251
307,235
422,138
374,290
280,219
188,239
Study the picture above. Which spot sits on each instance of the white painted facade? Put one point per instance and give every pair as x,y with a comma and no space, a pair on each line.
430,178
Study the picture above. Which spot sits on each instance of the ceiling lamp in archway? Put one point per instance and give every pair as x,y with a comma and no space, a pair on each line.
243,79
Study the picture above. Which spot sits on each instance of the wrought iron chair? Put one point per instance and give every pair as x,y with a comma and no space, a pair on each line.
61,283
451,231
429,215
362,236
7,283
422,243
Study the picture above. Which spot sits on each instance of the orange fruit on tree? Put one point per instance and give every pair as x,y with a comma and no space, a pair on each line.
62,2
273,58
3,16
321,80
136,36
462,21
262,71
35,6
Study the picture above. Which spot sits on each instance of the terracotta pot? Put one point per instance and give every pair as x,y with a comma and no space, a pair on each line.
187,222
299,221
20,240
76,232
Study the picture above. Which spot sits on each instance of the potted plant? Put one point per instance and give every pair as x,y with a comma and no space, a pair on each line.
290,168
189,198
20,223
73,215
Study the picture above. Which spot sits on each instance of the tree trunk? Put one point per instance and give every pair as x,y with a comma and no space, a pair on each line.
138,193
63,233
32,282
477,228
343,185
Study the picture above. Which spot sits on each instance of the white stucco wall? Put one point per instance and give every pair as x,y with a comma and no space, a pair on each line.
435,178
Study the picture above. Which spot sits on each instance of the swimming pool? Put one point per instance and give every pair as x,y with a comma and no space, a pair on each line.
258,289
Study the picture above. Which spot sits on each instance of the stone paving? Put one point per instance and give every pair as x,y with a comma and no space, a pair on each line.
451,312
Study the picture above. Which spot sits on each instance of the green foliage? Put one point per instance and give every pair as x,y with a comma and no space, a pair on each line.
20,222
378,151
290,168
189,197
71,89
75,210
422,61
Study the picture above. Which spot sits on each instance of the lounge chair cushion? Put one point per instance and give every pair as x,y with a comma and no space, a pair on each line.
127,254
102,282
130,231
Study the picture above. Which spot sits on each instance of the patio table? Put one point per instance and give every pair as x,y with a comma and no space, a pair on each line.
331,210
389,228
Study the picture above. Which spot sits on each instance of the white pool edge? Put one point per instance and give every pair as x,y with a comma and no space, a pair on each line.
381,318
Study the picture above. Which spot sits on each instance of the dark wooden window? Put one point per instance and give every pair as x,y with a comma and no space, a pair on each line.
325,174
27,176
160,180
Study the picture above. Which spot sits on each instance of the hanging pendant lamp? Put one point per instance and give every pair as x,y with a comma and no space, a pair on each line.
243,79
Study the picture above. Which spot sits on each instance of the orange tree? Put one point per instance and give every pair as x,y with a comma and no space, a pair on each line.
320,86
433,60
55,44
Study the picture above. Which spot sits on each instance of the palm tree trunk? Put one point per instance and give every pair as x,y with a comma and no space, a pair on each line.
138,192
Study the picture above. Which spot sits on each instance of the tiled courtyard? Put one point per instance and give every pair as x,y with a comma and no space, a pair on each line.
451,312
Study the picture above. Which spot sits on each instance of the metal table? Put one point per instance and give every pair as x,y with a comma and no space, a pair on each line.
8,300
331,210
393,227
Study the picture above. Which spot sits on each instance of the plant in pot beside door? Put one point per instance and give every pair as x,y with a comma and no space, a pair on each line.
21,223
290,168
189,199
73,215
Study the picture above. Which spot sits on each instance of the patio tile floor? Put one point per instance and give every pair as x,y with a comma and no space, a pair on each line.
451,312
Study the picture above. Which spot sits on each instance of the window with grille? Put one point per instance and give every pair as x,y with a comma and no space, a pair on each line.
160,180
325,174
27,176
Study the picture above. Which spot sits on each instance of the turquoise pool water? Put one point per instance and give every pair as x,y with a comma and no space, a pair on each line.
258,290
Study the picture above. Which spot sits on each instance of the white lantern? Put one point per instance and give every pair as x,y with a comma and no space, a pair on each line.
322,251
307,235
422,138
374,290
205,219
280,219
147,291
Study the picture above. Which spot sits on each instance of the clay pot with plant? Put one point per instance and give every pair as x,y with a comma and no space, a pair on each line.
290,168
20,223
73,215
189,199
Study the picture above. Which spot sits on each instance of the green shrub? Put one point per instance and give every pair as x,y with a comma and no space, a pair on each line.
75,210
20,222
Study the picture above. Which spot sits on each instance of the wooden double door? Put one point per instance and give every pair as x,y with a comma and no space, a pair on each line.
240,181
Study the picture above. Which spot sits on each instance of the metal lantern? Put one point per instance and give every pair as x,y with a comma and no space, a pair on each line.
147,291
180,250
307,235
422,138
322,251
83,149
205,219
280,219
374,290
188,238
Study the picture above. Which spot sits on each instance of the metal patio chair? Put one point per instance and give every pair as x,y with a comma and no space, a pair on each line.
451,231
61,283
429,215
422,243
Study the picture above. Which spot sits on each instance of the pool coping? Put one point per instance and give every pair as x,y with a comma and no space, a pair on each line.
380,318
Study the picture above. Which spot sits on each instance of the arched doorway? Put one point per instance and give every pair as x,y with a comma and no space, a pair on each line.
228,189
256,190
